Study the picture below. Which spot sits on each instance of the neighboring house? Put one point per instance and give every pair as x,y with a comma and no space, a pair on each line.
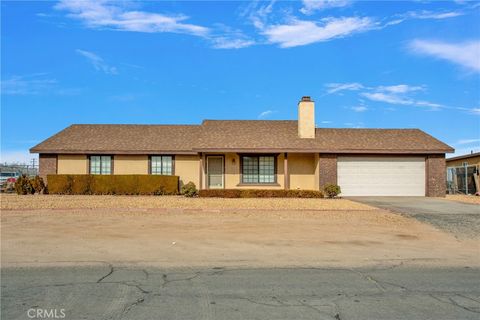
463,174
257,154
472,159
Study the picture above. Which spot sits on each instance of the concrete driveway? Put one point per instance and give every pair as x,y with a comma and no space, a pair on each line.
462,219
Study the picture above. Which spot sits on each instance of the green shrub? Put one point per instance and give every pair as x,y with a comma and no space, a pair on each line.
259,193
112,184
332,190
23,185
189,190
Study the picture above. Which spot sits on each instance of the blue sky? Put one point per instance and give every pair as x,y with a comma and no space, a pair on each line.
366,64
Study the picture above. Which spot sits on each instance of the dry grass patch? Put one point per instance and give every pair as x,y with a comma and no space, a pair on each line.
463,198
15,202
242,238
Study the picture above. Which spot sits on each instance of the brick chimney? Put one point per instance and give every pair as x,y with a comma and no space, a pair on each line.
306,118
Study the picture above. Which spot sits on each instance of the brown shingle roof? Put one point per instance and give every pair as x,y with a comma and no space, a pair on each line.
117,139
236,136
269,135
465,156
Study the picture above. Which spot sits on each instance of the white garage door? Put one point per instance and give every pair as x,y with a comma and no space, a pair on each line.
381,176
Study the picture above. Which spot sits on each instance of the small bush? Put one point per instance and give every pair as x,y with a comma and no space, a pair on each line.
332,190
112,184
23,185
37,184
160,191
189,190
259,193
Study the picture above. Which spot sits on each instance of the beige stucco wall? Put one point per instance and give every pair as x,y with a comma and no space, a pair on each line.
232,174
301,168
187,168
72,164
459,162
130,164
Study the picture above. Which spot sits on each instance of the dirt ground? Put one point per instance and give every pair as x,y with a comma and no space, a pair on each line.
13,201
227,237
463,198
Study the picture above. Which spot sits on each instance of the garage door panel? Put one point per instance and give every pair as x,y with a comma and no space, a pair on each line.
386,176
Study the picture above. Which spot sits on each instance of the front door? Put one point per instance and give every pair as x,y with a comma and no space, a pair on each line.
215,172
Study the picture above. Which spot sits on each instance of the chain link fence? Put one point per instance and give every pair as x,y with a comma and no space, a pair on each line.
463,180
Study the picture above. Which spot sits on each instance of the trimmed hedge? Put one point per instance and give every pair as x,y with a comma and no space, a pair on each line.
259,193
131,184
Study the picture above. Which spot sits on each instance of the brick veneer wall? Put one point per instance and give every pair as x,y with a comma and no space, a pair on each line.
328,169
436,176
47,164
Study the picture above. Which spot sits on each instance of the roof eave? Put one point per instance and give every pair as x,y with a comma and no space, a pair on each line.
339,151
114,152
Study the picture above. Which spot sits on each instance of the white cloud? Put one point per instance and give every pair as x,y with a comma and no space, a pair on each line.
336,87
399,94
228,43
97,62
326,122
433,15
400,88
302,32
394,98
474,111
359,108
17,157
468,141
118,16
386,97
228,38
265,114
258,16
466,54
28,85
111,15
310,6
392,94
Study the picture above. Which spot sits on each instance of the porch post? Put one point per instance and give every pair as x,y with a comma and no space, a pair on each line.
200,171
204,176
286,176
317,171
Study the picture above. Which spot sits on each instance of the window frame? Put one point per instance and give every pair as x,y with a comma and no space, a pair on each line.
100,155
161,166
258,155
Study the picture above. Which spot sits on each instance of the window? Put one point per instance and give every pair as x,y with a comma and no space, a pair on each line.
258,169
100,165
161,165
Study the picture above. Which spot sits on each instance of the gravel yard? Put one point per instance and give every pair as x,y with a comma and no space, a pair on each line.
13,202
464,198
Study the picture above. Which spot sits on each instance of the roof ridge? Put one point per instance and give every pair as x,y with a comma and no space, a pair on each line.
133,124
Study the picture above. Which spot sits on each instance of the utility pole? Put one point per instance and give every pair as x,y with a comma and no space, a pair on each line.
465,165
33,166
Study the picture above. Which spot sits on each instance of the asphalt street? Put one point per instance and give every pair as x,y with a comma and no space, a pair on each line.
108,292
461,219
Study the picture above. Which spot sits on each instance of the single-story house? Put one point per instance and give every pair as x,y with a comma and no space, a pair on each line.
463,174
471,159
257,154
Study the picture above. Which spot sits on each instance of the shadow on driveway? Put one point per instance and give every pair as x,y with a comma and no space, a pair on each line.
462,219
